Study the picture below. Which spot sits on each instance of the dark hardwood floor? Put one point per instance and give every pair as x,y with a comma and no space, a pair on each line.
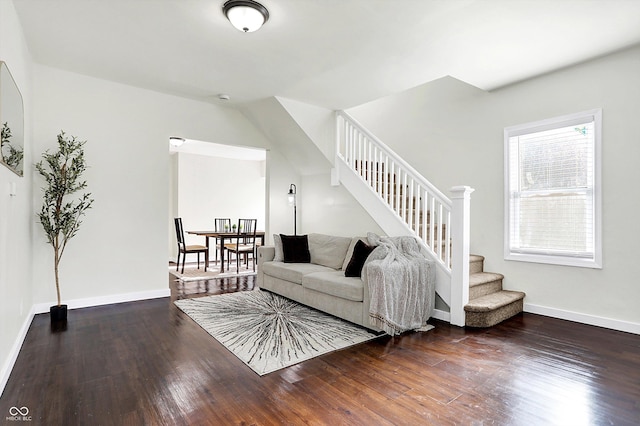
146,363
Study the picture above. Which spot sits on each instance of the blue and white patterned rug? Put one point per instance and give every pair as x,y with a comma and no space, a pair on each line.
269,332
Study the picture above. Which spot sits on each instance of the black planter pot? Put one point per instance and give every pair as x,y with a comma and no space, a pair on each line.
58,313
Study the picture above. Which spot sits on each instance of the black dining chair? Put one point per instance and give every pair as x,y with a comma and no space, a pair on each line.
220,225
184,249
245,243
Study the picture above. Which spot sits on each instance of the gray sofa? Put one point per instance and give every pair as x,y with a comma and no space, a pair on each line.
320,284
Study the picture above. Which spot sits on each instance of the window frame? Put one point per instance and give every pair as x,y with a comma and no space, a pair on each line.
549,257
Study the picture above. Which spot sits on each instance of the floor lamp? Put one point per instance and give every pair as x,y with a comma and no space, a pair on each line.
292,202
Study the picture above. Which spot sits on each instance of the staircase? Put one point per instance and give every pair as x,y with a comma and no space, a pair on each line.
488,303
403,202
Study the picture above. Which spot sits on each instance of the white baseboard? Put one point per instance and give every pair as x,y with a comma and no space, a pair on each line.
626,326
441,315
41,308
613,324
15,350
72,304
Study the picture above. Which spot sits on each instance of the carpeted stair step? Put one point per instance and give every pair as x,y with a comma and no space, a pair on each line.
484,283
476,263
489,310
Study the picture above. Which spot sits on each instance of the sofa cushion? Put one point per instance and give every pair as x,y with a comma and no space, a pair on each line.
335,284
292,272
295,248
277,243
328,250
360,253
349,254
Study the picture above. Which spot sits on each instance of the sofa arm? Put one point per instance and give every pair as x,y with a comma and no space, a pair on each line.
266,254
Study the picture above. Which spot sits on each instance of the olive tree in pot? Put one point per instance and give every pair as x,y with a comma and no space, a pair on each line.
61,219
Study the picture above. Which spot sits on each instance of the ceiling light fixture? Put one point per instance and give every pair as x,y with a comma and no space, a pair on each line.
176,141
245,15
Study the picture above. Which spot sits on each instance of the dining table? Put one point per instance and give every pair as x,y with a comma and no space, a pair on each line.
221,237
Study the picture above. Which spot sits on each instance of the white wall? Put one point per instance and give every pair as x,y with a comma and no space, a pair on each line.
280,219
453,134
16,214
331,210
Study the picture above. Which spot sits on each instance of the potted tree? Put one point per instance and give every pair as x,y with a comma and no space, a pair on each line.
60,219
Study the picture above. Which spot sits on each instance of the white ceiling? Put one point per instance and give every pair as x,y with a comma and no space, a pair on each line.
332,53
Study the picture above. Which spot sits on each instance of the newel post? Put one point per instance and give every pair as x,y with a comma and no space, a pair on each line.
460,241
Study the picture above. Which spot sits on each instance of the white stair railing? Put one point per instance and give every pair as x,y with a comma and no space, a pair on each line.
425,210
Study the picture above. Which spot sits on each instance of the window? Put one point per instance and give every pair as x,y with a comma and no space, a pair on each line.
552,191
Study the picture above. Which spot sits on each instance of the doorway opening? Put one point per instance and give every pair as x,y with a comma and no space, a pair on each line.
210,180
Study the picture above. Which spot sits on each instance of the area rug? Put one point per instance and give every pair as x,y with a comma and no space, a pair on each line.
194,274
269,332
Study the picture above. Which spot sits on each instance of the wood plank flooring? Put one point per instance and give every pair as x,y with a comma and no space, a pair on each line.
146,363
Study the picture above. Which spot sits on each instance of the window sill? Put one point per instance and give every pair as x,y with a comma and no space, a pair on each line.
555,260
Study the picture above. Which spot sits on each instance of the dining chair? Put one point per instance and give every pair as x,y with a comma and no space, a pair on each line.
245,243
220,225
250,225
184,249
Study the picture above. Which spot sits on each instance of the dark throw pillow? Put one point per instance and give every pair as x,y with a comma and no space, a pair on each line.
360,253
295,248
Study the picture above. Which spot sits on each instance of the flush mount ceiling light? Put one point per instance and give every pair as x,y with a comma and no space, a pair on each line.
245,15
175,141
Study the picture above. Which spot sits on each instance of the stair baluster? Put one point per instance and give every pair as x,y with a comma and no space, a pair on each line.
420,209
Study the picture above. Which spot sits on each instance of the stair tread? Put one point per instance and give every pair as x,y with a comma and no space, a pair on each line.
479,278
475,258
493,301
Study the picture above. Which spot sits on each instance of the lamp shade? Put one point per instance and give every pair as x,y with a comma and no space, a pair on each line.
245,15
291,195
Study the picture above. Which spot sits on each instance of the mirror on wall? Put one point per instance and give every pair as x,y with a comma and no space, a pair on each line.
11,122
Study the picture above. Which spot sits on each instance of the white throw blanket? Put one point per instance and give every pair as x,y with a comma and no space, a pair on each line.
401,282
